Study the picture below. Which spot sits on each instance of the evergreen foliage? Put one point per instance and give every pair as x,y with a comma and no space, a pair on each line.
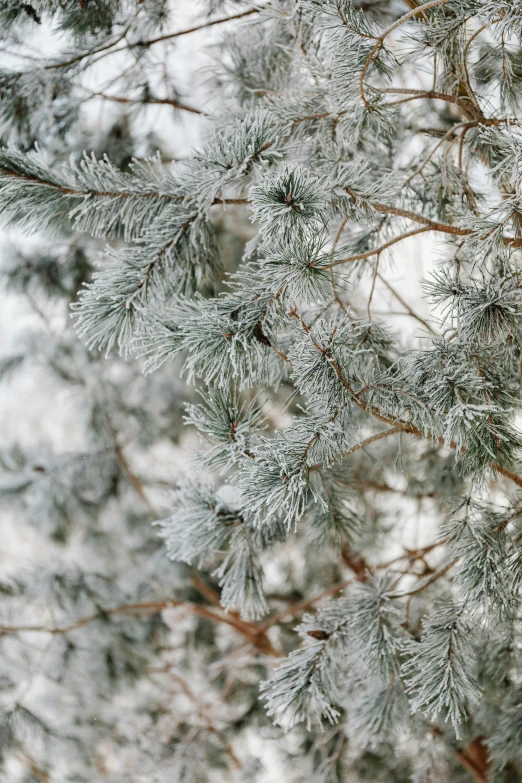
336,132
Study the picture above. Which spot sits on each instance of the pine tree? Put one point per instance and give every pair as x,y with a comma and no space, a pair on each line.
332,590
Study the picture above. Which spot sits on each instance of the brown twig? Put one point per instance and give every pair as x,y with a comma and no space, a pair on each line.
475,759
196,28
108,193
82,56
405,304
252,632
148,100
404,426
107,49
414,95
206,591
362,445
380,40
385,209
202,713
305,604
133,478
426,582
441,141
374,278
377,250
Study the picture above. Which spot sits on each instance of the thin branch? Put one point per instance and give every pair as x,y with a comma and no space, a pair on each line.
187,690
475,759
510,474
252,632
206,591
148,100
374,278
406,305
413,95
378,250
202,26
378,45
441,141
301,606
36,771
133,478
432,95
91,52
413,554
426,582
362,445
108,50
444,228
7,172
404,426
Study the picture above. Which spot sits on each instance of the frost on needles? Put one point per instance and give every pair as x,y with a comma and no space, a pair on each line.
343,130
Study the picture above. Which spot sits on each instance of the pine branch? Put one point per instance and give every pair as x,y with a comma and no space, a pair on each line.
406,305
378,250
380,41
362,445
254,634
396,424
133,478
147,100
301,386
202,26
460,101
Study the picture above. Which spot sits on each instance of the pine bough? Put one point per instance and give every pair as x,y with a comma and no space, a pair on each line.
314,413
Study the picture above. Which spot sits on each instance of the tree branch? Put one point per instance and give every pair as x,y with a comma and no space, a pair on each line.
148,100
405,304
377,250
378,45
252,632
202,26
404,426
361,445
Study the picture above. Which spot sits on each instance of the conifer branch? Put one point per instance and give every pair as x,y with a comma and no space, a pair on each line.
196,28
149,99
147,608
299,504
379,43
396,423
378,250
